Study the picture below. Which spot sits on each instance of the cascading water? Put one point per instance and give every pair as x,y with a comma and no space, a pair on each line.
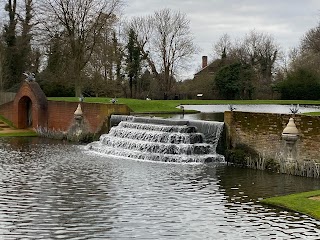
161,140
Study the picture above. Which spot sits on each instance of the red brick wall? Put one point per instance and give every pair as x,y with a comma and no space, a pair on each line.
30,91
262,132
61,114
53,114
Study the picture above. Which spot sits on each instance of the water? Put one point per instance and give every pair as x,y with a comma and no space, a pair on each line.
55,190
263,108
215,112
207,116
156,139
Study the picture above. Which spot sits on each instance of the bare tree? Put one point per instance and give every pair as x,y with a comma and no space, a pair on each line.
80,22
257,51
311,40
223,46
102,66
166,43
308,55
260,51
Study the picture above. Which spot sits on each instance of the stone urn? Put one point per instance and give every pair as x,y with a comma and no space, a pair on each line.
78,114
290,135
78,131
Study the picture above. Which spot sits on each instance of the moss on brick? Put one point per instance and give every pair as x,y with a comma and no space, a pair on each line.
240,153
262,132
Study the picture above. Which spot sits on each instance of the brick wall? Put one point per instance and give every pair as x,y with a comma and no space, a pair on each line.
61,114
262,132
30,96
53,114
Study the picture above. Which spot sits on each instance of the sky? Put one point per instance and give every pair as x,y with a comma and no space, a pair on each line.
285,20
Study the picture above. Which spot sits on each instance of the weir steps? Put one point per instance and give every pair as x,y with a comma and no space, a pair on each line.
154,140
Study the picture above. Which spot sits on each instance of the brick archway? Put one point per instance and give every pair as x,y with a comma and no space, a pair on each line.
30,106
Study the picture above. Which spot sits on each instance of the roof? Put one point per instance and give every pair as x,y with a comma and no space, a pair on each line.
212,67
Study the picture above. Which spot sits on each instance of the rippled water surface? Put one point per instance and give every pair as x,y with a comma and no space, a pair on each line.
53,190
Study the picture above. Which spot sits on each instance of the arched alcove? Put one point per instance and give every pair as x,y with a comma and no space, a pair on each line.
25,112
30,106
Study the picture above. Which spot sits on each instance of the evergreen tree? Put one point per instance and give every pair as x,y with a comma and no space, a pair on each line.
234,81
301,84
133,62
11,74
18,54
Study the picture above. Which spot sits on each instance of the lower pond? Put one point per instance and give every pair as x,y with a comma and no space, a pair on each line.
55,190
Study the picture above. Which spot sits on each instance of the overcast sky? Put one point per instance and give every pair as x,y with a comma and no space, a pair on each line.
287,21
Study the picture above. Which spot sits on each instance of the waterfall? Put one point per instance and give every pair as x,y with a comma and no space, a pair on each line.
164,140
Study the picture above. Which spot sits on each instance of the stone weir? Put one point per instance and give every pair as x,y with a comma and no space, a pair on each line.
164,140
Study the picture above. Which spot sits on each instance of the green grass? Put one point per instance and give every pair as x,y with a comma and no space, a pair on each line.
19,134
299,202
16,133
170,106
312,113
3,119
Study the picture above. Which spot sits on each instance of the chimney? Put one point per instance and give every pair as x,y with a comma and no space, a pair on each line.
204,61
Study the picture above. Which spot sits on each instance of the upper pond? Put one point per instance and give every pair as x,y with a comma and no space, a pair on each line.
264,108
215,112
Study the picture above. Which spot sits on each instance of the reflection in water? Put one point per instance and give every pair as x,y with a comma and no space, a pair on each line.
52,190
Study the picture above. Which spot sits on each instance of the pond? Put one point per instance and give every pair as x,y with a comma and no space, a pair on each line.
215,112
55,190
263,108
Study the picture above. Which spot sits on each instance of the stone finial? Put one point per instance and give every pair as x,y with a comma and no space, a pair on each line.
290,135
291,128
78,113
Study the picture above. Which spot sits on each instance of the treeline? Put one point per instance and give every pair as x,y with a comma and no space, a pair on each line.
255,67
87,48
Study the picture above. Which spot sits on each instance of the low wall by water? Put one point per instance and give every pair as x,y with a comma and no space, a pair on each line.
60,115
262,132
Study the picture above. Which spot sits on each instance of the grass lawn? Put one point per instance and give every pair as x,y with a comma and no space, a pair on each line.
6,121
19,134
307,203
16,132
170,106
312,114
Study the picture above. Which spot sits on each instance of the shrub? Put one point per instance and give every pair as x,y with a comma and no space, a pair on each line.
240,154
302,84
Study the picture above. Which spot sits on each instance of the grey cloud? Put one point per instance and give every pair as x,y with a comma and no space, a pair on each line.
286,21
